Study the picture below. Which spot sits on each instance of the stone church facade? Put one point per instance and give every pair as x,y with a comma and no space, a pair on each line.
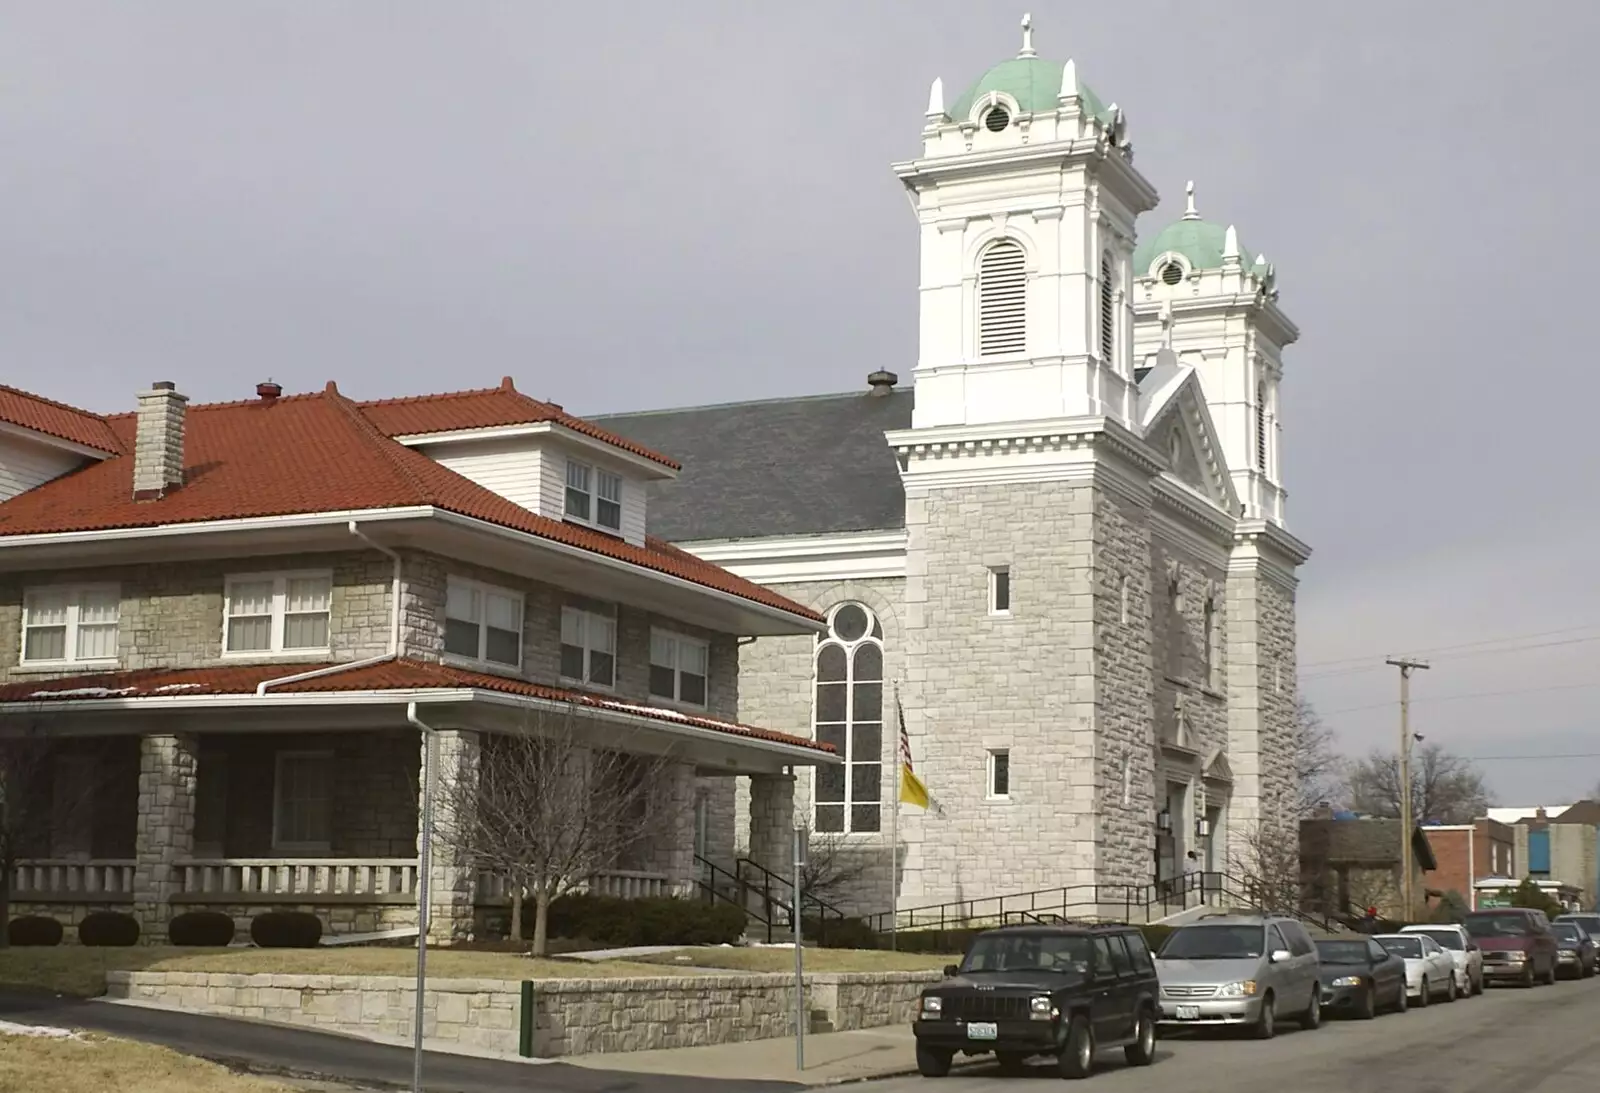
1061,550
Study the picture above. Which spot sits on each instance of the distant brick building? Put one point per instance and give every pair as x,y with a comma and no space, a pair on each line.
1468,853
1348,865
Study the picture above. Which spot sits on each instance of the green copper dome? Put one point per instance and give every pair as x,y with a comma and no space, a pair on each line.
1201,242
1034,82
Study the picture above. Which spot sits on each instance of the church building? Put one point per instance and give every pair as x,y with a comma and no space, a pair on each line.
1055,564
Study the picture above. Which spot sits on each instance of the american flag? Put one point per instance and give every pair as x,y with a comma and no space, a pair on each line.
912,791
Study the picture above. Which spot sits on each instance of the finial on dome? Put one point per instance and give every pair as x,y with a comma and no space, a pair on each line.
1190,213
936,98
1261,259
1069,80
1027,36
1230,243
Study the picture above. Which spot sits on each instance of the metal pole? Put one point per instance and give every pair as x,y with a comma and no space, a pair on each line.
424,896
894,851
799,966
1406,819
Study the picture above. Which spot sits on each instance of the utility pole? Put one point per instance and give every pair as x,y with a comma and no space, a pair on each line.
1406,666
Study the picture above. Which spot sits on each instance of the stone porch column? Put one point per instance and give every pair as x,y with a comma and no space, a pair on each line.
164,831
772,827
675,842
454,877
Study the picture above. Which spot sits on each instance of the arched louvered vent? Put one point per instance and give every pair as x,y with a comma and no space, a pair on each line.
1261,426
1108,319
1002,300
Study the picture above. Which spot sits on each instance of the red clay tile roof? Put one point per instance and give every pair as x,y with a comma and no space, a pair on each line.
487,408
395,675
56,419
302,454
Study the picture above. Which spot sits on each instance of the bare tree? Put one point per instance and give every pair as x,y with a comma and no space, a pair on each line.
1266,862
547,810
832,867
1316,762
1444,787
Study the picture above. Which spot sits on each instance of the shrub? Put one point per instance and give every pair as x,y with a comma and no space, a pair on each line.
286,930
850,933
109,929
610,921
34,931
209,929
955,941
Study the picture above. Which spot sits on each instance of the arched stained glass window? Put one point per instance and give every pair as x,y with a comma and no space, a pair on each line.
849,715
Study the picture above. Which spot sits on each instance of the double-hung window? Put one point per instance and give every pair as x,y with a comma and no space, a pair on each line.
302,805
678,667
70,624
594,496
589,646
483,623
277,613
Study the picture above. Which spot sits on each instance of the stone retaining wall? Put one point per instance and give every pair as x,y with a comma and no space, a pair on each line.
572,1016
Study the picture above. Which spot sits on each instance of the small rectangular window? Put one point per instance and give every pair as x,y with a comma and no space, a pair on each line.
608,503
999,774
578,499
483,623
1000,590
303,801
70,624
678,667
277,613
588,647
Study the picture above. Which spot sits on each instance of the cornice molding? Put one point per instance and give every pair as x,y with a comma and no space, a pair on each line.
791,559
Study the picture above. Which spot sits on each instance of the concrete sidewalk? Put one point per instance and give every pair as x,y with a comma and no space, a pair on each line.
831,1058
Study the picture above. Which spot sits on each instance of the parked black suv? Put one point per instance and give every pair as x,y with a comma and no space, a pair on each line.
1065,991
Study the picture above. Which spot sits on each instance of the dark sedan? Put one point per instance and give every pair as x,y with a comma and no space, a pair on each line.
1575,955
1360,977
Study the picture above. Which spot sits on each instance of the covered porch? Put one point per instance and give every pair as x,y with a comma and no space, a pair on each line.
156,800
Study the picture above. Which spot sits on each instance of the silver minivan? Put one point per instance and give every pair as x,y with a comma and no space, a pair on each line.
1240,969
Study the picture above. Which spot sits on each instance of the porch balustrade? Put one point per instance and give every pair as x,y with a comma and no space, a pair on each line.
617,883
308,880
84,880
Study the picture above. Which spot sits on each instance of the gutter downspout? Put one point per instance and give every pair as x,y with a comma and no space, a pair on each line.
424,875
395,651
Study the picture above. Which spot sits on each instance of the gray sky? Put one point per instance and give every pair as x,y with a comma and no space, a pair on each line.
651,204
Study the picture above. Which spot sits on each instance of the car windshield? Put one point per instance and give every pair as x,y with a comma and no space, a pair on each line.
1342,952
1566,931
1402,946
1590,923
1497,925
1447,939
1215,943
1067,954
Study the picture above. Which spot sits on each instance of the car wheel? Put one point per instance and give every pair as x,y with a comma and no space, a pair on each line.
1477,984
1312,1018
1266,1026
1550,976
1450,991
1425,995
1402,1000
1368,1009
1011,1061
1527,976
1142,1052
933,1063
1077,1058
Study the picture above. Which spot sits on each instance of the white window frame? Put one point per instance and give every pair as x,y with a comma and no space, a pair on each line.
589,649
481,659
679,640
74,594
320,846
998,575
989,793
874,635
280,591
600,486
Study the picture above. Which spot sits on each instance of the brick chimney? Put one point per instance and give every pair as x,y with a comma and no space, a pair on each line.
158,446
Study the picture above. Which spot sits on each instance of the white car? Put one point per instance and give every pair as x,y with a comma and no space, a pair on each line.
1430,973
1464,951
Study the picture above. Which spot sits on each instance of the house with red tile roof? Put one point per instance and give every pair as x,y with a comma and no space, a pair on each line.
237,632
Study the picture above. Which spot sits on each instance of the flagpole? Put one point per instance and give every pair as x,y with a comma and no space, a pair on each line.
894,826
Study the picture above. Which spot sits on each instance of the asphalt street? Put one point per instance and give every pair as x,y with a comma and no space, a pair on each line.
274,1050
1507,1040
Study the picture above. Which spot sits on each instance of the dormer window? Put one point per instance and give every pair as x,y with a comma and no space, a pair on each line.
594,496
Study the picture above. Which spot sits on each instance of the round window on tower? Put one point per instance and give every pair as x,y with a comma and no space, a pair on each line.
1171,272
997,119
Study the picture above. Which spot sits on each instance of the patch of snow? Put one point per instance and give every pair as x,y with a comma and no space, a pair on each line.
657,711
45,1031
85,692
168,688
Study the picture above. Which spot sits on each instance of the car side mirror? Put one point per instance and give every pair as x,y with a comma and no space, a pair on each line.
950,971
1280,955
1472,946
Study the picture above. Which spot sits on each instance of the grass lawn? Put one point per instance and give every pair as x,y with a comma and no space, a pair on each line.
41,1064
80,970
816,960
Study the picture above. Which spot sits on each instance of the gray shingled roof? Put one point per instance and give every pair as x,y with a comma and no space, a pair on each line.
800,466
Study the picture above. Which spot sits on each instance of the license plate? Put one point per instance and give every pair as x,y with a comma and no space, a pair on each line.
983,1030
1188,1013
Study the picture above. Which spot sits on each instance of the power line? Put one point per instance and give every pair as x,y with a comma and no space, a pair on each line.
1531,758
1363,660
1461,656
1462,697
